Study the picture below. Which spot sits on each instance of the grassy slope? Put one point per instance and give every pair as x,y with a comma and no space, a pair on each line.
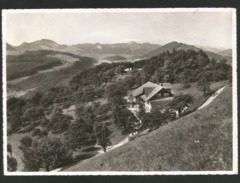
199,141
48,80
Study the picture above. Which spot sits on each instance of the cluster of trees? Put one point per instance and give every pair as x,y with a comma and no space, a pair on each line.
45,153
183,66
98,75
179,102
27,112
15,109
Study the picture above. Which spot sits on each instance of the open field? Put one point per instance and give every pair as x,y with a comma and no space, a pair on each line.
44,81
199,141
17,69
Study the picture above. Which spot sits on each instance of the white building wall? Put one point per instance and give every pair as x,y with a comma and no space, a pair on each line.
148,107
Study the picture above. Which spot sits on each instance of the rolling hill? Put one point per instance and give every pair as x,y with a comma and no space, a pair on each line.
42,69
169,47
200,141
31,62
130,49
181,46
226,53
211,49
115,58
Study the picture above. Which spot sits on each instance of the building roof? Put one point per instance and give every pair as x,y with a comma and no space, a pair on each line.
148,90
139,90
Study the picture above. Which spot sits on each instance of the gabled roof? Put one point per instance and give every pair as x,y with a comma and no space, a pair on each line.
139,90
148,90
154,92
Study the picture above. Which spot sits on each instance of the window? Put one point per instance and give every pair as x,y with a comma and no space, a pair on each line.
166,94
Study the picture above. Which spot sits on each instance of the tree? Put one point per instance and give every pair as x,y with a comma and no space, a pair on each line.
102,134
128,82
80,133
124,119
35,100
59,122
185,78
120,69
86,113
102,111
9,149
39,133
33,114
181,101
154,120
47,153
11,161
141,111
26,142
88,94
204,85
11,164
115,95
15,108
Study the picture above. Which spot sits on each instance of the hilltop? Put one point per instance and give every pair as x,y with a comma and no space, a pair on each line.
181,46
199,141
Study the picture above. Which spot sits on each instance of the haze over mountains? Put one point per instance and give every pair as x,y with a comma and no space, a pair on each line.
225,54
130,50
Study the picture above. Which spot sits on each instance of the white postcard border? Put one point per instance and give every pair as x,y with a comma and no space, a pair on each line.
120,10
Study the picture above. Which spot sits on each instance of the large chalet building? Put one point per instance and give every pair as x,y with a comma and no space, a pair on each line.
149,92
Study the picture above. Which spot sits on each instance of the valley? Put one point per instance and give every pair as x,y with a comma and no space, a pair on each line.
81,105
60,74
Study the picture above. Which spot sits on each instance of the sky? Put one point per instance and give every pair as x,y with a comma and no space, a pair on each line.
212,29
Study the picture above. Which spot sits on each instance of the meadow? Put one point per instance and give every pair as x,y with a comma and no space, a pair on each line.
200,141
25,66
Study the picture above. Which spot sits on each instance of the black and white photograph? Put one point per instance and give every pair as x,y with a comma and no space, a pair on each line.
119,91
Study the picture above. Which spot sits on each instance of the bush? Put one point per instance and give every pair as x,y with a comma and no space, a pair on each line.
179,102
47,153
11,164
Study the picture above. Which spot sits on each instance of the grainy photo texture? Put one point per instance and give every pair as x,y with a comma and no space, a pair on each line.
119,91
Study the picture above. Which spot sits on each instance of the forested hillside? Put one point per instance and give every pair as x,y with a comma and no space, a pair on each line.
176,66
181,46
98,96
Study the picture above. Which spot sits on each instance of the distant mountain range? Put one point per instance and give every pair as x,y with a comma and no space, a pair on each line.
225,54
128,50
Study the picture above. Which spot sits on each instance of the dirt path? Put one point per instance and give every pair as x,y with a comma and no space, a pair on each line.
210,100
109,148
